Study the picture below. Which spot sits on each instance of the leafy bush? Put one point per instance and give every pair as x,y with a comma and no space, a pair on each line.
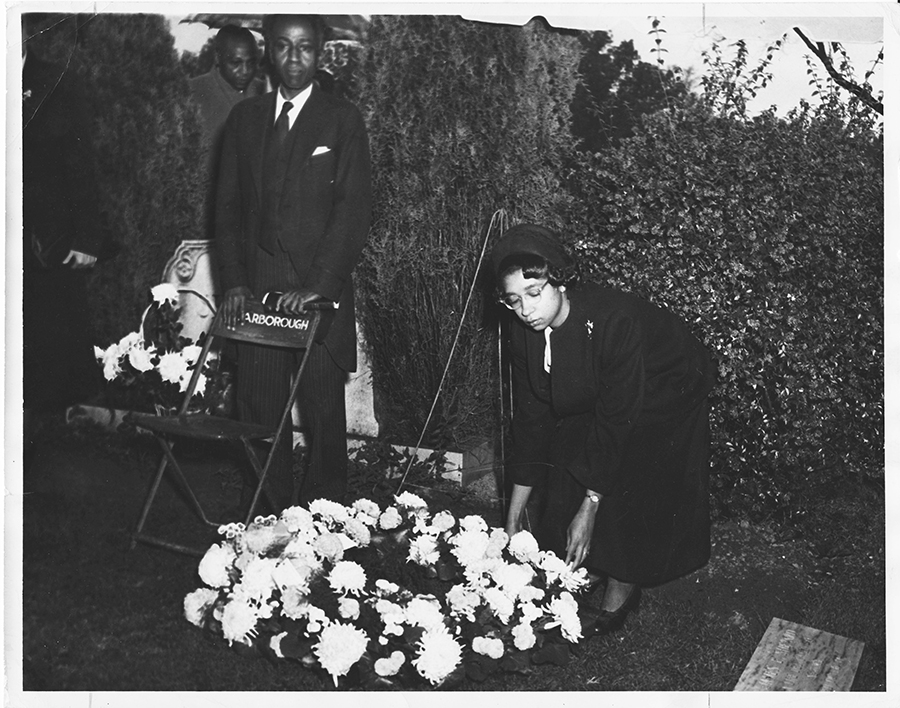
464,119
765,234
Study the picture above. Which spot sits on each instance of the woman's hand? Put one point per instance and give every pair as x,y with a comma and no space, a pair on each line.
578,538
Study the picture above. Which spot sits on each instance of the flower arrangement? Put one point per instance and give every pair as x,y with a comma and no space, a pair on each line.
304,586
155,363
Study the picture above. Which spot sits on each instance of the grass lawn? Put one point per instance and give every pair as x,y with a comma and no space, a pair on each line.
99,617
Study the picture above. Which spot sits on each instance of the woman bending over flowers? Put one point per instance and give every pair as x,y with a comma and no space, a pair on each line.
610,410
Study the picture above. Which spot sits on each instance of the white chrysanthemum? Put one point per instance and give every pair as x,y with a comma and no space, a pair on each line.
424,611
165,292
531,593
172,367
316,619
358,531
386,587
340,646
140,358
391,613
552,565
390,519
574,580
259,538
329,546
257,579
111,369
443,521
215,565
524,547
129,341
488,646
197,603
565,615
191,353
185,381
439,655
523,636
473,523
530,611
329,510
391,665
347,577
470,546
410,501
239,618
513,578
367,507
496,543
478,573
423,550
348,608
421,525
296,518
500,603
463,601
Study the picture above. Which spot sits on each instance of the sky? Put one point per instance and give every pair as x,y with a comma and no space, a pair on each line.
690,28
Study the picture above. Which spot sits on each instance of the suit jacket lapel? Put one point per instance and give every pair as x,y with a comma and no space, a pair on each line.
308,126
259,128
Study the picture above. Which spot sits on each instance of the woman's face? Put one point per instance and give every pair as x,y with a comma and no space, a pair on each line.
537,303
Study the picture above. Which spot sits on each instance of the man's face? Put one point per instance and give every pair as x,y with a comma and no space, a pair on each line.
237,64
294,52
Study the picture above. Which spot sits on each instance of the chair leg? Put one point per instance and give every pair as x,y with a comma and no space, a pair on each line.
186,487
148,502
261,474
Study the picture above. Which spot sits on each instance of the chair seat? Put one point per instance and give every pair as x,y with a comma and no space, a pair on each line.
201,426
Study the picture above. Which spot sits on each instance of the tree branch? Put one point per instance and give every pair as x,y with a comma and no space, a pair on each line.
840,80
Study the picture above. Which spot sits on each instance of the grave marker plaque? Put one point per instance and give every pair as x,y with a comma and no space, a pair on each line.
792,657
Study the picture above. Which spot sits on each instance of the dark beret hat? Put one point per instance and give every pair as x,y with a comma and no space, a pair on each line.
533,239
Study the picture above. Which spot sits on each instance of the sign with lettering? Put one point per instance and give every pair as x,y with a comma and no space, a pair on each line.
792,657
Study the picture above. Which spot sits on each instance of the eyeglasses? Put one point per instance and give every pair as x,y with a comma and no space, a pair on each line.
514,302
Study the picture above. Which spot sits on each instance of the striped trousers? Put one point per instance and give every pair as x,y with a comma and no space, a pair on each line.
263,385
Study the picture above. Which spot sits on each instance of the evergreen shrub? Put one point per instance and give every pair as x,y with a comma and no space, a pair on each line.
149,158
463,119
765,234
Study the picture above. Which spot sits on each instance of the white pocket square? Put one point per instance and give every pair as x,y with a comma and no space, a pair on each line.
321,150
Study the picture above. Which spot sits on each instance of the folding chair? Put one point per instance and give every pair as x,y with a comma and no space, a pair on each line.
259,327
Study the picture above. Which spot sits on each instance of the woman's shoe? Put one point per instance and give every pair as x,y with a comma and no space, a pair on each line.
609,622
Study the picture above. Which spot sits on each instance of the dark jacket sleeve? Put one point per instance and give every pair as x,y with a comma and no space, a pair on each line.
229,215
533,421
351,211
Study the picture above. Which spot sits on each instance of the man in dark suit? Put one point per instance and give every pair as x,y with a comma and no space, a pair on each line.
64,234
230,81
292,215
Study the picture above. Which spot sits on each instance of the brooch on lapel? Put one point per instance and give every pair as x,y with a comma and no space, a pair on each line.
590,327
26,94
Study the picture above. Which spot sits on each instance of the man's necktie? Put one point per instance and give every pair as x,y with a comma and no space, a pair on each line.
274,156
282,125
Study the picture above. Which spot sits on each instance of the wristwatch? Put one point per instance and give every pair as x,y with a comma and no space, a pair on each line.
595,498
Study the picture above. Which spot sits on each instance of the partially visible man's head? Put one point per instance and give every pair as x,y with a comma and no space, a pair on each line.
237,56
294,43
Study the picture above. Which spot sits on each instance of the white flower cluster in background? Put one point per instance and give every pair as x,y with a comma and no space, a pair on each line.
134,360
